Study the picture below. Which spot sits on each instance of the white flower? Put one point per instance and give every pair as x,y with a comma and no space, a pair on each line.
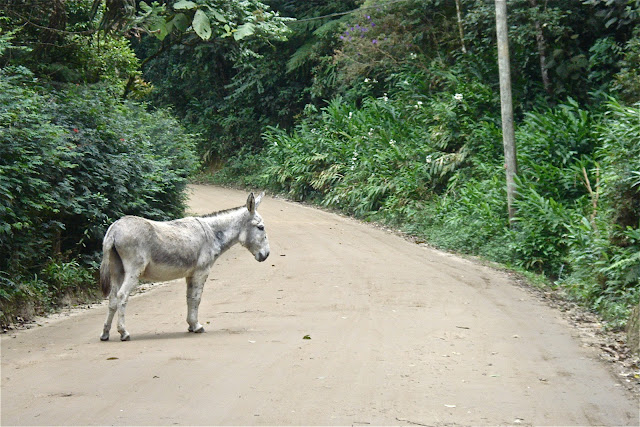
392,142
350,114
385,98
275,144
413,55
419,102
370,132
458,97
366,79
428,159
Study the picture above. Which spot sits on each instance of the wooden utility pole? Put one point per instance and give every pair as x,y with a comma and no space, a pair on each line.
506,104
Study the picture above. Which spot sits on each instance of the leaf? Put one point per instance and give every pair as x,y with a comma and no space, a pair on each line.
181,22
201,25
244,30
145,7
227,30
112,358
217,15
164,28
184,4
306,337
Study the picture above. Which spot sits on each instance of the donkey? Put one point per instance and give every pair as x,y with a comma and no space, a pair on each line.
136,248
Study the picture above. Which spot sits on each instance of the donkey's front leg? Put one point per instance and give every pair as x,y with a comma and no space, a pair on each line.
195,285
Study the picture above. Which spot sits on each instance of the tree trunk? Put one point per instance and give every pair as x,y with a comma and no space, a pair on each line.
542,47
633,331
506,104
460,29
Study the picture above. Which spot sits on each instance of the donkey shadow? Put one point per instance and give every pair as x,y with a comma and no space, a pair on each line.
180,335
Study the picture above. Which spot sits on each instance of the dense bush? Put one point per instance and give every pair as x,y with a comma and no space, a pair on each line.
604,242
72,160
555,151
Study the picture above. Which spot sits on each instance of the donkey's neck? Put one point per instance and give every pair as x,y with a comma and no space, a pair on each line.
226,226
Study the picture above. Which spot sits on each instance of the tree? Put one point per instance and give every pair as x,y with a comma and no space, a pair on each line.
542,47
506,104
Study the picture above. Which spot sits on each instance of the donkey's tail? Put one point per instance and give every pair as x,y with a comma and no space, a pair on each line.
111,266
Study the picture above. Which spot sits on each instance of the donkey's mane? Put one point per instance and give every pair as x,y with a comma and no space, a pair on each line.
222,212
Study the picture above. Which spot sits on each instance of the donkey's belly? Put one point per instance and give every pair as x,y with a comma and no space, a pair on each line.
164,272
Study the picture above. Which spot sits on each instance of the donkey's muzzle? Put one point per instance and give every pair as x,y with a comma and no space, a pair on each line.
262,256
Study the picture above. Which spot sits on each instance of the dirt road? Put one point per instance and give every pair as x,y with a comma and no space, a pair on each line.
399,334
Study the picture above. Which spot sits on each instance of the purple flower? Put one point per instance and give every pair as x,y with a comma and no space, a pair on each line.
341,37
374,41
373,24
368,17
346,33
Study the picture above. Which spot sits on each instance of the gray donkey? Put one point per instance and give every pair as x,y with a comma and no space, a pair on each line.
136,248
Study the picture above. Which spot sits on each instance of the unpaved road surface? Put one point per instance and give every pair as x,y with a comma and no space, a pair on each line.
399,334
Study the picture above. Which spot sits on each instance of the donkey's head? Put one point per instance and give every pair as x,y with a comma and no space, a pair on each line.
253,236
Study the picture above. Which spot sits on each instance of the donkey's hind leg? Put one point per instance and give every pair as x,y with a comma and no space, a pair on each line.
122,297
195,285
113,306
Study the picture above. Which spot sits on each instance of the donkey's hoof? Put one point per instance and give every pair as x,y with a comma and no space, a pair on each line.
104,337
125,337
198,329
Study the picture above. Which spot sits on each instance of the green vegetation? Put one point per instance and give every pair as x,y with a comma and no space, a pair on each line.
411,137
386,110
73,158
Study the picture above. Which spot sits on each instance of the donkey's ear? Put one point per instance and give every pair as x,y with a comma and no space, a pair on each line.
251,203
259,199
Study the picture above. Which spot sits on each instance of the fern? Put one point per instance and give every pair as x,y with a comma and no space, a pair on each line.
301,57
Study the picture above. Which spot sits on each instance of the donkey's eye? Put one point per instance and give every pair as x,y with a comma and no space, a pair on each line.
260,226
